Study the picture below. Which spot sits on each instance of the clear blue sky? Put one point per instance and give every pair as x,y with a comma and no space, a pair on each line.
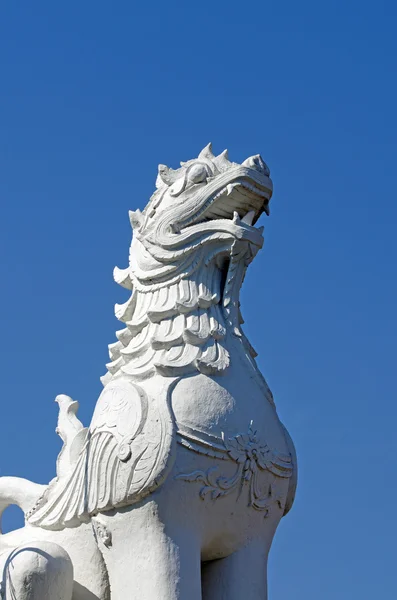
93,96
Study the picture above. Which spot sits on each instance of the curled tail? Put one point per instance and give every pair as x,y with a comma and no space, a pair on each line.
19,492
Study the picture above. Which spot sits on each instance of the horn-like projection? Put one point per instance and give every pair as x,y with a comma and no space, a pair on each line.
222,161
207,152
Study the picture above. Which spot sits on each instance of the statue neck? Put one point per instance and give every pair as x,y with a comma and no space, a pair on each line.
182,327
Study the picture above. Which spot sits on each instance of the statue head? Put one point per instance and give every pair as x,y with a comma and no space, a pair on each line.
190,249
209,188
208,201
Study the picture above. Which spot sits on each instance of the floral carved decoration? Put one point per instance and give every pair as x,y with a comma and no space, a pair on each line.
251,456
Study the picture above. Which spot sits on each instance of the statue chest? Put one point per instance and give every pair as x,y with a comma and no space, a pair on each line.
227,406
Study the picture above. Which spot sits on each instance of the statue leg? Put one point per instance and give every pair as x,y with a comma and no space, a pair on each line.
148,558
240,575
37,571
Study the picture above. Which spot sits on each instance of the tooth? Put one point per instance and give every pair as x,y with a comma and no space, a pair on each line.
236,217
229,189
249,217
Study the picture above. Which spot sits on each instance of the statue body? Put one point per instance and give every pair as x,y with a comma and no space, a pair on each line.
176,488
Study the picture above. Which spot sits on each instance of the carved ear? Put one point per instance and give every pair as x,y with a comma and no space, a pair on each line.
136,218
166,175
207,152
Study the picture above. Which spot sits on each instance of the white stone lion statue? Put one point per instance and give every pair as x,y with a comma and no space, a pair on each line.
176,488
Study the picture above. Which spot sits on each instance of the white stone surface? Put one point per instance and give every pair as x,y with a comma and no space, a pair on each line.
35,571
185,460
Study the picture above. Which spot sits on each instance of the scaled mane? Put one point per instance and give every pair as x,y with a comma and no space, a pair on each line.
190,250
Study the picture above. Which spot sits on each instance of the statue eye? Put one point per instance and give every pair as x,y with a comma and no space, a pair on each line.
197,173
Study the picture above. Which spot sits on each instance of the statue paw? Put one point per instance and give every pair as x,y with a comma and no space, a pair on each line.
35,571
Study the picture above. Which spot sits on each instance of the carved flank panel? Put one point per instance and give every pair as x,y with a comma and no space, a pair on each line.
251,457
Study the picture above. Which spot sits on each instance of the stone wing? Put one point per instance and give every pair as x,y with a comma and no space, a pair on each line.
127,454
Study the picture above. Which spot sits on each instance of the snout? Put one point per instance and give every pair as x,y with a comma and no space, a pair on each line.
257,163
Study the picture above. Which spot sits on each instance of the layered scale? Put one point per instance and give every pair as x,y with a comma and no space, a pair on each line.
173,329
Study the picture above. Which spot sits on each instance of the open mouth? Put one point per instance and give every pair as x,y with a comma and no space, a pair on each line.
241,199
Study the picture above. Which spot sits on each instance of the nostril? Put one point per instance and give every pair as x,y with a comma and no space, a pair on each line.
256,162
261,165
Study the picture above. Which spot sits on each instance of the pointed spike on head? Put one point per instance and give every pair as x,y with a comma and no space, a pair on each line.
207,152
222,161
